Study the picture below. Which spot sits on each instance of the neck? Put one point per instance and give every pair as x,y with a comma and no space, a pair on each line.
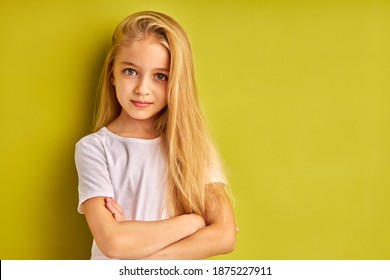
126,126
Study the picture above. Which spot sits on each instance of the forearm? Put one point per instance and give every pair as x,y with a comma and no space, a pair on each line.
135,239
210,241
218,237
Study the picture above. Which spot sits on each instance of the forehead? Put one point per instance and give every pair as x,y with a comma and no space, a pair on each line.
148,53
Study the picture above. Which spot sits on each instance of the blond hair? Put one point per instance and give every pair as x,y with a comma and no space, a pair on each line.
191,154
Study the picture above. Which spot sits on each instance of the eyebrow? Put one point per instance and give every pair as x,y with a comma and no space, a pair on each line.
136,66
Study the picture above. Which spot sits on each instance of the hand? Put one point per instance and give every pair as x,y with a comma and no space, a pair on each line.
116,211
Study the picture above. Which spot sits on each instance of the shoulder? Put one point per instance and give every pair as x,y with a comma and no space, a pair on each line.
92,144
92,140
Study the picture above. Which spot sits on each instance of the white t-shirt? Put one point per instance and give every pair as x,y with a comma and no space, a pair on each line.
133,171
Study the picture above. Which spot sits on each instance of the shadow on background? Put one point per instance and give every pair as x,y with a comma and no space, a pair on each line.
73,235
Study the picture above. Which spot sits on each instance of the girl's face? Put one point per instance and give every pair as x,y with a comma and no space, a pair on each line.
140,77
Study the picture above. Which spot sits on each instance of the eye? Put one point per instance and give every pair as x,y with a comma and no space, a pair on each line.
161,77
129,72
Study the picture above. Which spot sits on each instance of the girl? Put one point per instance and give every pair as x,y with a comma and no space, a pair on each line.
151,184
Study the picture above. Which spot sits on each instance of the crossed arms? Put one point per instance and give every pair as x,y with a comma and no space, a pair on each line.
182,237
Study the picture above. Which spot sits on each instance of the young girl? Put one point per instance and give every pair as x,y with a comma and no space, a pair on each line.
151,184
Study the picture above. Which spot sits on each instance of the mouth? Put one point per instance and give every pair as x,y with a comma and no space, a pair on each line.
141,103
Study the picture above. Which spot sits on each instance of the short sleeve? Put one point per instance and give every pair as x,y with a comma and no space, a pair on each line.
92,169
216,175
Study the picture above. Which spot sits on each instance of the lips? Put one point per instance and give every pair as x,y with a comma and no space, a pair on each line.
141,104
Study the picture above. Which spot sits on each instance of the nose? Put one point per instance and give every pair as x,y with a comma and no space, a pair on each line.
142,87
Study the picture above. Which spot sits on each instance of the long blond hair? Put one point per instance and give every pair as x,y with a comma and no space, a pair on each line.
191,154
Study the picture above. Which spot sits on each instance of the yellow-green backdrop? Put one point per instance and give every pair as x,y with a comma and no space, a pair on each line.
297,94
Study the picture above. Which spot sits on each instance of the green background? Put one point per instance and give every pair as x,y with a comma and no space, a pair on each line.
297,94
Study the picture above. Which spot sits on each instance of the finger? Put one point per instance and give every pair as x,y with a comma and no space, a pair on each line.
118,217
115,209
107,201
110,207
116,205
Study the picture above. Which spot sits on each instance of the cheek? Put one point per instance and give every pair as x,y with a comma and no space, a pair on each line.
121,91
122,86
164,96
164,89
